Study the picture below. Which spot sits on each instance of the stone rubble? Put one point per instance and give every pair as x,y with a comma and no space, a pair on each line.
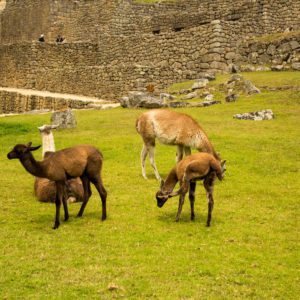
266,114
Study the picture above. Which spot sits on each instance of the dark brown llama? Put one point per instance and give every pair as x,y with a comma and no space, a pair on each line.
82,161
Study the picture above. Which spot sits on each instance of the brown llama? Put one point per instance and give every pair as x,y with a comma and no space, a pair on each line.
82,161
198,166
170,128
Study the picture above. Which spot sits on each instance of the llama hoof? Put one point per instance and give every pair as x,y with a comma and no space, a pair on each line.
207,225
103,218
55,226
66,218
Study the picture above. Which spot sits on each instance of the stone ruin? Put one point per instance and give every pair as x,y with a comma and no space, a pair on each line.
113,47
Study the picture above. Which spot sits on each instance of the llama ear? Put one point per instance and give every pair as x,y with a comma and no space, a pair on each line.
34,148
29,145
223,165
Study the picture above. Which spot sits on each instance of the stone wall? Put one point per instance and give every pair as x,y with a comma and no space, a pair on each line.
113,67
116,46
14,102
272,51
89,20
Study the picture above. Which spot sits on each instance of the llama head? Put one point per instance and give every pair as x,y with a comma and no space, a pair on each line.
47,128
20,150
163,195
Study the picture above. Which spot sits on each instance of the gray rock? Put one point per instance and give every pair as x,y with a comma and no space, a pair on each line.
209,103
176,104
277,68
263,68
231,98
200,83
235,77
209,97
166,97
190,96
247,68
296,66
137,99
271,49
256,116
64,119
250,88
294,45
208,76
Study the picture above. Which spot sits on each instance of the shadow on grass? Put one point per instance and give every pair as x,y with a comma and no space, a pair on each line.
47,219
185,218
169,217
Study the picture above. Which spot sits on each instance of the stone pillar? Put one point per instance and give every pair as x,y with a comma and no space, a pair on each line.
64,119
216,48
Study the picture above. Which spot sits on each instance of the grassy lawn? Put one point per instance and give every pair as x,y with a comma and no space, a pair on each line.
250,251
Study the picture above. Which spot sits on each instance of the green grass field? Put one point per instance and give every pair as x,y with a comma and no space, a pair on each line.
251,250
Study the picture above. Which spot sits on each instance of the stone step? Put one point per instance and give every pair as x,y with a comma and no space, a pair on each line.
16,101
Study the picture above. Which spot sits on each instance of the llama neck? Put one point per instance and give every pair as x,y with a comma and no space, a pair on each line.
32,166
204,145
170,181
48,142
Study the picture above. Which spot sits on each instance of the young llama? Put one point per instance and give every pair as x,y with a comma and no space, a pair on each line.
198,166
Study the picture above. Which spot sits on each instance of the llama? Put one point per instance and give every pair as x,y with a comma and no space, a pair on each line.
45,189
170,128
82,161
198,166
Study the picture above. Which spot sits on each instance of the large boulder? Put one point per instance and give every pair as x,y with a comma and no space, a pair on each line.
64,119
137,99
237,84
200,83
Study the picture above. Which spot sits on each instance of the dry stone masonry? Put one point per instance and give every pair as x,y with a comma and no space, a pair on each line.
113,47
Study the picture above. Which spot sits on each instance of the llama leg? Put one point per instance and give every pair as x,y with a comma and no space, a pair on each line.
86,196
187,151
192,198
179,153
208,184
143,160
181,201
103,194
65,203
58,201
152,162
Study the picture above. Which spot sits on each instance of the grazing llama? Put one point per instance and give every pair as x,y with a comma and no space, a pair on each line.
198,166
82,161
170,128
